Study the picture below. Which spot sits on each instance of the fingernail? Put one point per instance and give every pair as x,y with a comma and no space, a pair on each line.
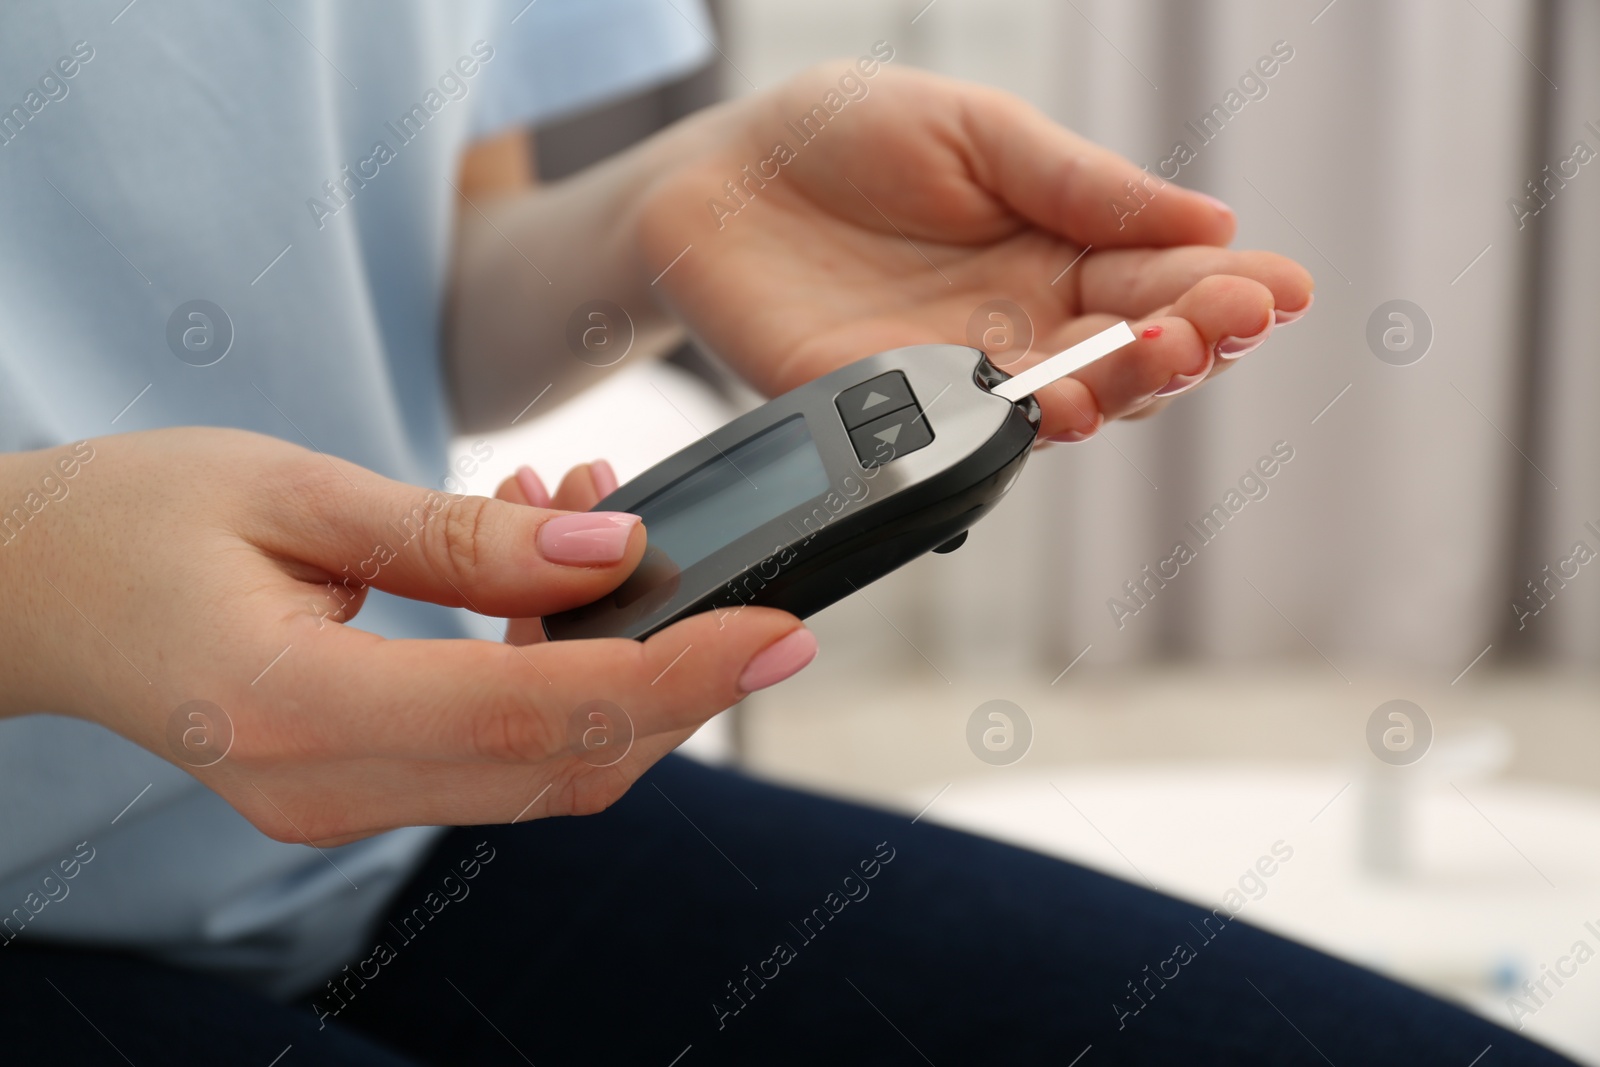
1234,347
1072,437
532,488
1181,383
605,479
1218,204
587,537
1283,318
779,660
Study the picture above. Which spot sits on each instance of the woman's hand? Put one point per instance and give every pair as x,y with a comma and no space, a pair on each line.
222,566
921,200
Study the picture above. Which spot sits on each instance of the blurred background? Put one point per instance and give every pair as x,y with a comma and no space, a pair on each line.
1429,542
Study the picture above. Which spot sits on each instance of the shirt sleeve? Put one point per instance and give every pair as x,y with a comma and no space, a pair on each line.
555,57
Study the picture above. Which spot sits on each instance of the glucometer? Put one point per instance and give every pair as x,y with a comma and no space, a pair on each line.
828,487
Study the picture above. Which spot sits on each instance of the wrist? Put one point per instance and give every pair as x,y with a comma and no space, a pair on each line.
37,489
528,264
694,143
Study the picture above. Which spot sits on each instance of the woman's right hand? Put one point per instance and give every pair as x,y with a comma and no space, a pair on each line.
211,565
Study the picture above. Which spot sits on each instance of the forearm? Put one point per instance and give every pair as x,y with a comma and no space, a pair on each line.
524,264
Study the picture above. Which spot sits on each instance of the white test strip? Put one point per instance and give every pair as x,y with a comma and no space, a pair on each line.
1062,364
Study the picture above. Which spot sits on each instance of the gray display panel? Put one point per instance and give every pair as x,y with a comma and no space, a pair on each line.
739,491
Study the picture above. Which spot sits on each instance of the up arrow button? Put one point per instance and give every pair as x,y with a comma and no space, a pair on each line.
874,398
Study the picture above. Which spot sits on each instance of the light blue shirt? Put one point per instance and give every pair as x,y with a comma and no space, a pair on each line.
183,151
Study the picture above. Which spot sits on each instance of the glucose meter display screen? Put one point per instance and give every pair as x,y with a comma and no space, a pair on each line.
725,498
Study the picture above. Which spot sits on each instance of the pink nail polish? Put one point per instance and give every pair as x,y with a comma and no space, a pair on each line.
1181,383
779,660
1283,318
605,479
532,488
587,537
1234,347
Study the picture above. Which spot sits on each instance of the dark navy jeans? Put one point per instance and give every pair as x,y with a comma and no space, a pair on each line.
710,919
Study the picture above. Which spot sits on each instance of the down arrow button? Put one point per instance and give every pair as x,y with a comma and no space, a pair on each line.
891,436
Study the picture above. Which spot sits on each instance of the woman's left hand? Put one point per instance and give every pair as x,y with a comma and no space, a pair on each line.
926,197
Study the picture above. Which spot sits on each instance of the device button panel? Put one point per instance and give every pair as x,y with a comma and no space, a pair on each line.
873,399
886,439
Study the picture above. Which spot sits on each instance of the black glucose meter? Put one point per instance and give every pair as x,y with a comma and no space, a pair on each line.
832,485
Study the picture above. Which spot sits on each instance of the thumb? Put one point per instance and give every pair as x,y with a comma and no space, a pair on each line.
495,557
1079,190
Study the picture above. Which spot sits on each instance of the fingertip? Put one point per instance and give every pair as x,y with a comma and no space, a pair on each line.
736,651
605,479
1220,205
1071,411
578,490
590,538
1218,222
533,489
1284,318
1232,315
781,659
1150,212
1293,290
1180,340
